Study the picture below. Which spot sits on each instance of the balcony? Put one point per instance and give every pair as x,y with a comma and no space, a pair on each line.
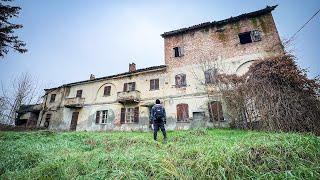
76,102
129,97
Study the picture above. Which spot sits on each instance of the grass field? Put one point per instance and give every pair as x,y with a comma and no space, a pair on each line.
195,154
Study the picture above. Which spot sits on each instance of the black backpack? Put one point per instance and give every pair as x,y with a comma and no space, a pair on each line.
158,112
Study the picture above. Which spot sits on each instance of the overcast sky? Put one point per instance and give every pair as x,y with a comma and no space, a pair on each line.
70,39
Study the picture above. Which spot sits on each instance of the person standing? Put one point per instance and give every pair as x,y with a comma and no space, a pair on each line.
158,119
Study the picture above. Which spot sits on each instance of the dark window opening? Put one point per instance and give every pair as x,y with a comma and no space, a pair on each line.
180,80
154,84
47,120
177,51
215,111
52,98
127,87
107,91
79,93
245,38
182,112
249,37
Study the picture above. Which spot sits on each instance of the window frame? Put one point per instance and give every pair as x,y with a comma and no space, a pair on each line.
79,93
210,76
244,37
184,80
101,117
126,87
107,91
154,84
177,51
182,107
129,115
52,98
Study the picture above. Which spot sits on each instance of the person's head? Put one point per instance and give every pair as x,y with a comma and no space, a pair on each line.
157,101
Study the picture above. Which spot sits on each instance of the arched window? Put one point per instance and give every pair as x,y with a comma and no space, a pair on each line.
181,80
182,112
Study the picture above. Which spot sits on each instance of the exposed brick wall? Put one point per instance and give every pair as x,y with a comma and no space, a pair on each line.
208,44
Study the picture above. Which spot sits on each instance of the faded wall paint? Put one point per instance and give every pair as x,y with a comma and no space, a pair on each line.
222,48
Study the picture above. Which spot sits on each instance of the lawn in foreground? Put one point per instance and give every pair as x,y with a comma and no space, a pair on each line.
197,154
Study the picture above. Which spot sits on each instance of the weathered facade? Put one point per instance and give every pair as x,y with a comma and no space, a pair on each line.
123,101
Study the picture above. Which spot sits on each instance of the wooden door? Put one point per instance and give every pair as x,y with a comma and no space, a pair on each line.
74,121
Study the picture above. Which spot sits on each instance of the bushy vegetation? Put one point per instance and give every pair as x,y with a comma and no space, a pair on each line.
274,95
196,154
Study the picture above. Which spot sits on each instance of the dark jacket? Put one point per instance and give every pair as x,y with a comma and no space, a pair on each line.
153,119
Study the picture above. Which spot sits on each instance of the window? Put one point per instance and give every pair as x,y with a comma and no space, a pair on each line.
129,87
181,80
249,37
107,91
129,115
178,51
215,111
102,117
182,112
47,120
52,98
79,93
154,84
210,76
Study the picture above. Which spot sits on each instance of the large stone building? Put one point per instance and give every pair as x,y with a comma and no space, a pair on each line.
123,101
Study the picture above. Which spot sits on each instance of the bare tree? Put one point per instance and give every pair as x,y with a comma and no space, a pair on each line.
23,90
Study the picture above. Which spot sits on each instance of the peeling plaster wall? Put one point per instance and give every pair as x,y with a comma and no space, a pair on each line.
222,48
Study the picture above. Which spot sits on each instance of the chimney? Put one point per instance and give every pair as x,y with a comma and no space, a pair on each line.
92,77
132,67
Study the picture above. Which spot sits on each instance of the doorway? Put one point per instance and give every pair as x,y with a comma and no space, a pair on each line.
74,121
198,120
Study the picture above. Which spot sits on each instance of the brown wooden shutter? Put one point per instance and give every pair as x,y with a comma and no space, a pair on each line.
125,87
182,112
179,115
216,113
123,116
136,114
210,110
98,117
133,86
184,83
157,84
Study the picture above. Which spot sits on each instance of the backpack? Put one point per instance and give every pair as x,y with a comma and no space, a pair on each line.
158,112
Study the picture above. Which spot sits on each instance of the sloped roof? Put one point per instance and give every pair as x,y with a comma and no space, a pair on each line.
260,12
152,68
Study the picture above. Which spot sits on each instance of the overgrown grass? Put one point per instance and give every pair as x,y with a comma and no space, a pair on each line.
196,154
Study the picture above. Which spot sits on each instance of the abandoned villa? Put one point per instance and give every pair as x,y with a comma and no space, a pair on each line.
123,101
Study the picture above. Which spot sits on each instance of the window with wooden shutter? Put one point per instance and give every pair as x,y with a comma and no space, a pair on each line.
215,111
178,51
129,87
180,80
154,84
123,116
52,98
104,116
97,117
136,114
107,91
125,87
210,76
79,93
182,112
